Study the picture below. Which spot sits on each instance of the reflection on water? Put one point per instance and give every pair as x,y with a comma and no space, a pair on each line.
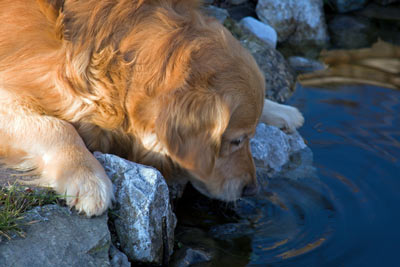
343,212
378,65
356,152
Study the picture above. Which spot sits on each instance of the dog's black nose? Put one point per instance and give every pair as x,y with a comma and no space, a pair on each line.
250,190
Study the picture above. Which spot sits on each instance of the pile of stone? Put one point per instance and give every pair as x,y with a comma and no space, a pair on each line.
140,227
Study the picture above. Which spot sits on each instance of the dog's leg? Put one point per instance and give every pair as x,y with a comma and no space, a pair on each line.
282,116
55,149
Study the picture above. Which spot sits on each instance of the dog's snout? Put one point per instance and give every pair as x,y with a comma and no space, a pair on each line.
250,190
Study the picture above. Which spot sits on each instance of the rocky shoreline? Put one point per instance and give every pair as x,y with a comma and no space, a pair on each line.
141,228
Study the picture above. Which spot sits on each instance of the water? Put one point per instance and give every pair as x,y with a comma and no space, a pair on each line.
346,213
354,133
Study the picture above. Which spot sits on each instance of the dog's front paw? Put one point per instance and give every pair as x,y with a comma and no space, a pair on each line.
292,118
284,117
90,193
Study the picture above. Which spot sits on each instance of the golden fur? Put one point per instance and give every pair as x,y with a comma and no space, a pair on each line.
153,81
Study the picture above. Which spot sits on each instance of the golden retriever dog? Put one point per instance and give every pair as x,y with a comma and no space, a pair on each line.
153,81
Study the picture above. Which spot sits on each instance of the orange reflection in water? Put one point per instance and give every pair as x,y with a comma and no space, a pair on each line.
305,249
378,65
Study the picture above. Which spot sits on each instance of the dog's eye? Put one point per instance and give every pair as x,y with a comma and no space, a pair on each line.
237,142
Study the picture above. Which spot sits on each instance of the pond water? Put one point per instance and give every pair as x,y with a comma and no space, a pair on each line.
345,213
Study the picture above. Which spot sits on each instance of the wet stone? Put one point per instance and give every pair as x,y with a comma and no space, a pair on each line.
296,22
195,247
280,79
300,165
219,13
352,32
263,31
237,12
143,217
237,2
117,258
386,2
188,256
305,65
343,6
271,147
230,230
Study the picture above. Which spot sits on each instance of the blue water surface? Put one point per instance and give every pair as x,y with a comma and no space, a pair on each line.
354,134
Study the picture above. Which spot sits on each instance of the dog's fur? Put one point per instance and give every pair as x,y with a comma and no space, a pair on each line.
153,81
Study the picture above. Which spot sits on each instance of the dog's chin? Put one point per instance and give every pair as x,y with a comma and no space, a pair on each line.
229,192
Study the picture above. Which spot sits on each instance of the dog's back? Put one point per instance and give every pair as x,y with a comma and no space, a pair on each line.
154,81
28,38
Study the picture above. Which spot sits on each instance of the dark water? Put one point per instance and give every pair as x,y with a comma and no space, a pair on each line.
354,133
346,213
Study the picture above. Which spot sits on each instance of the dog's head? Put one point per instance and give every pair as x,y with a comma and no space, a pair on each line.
207,123
194,94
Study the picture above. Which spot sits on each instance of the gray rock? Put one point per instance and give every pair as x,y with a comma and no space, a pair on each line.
386,2
352,32
280,79
231,230
271,147
188,256
296,22
300,165
390,14
343,6
118,259
237,2
195,248
263,31
177,187
237,12
56,236
142,206
305,65
219,13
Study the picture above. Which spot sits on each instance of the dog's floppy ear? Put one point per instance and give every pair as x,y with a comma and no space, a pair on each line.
190,125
